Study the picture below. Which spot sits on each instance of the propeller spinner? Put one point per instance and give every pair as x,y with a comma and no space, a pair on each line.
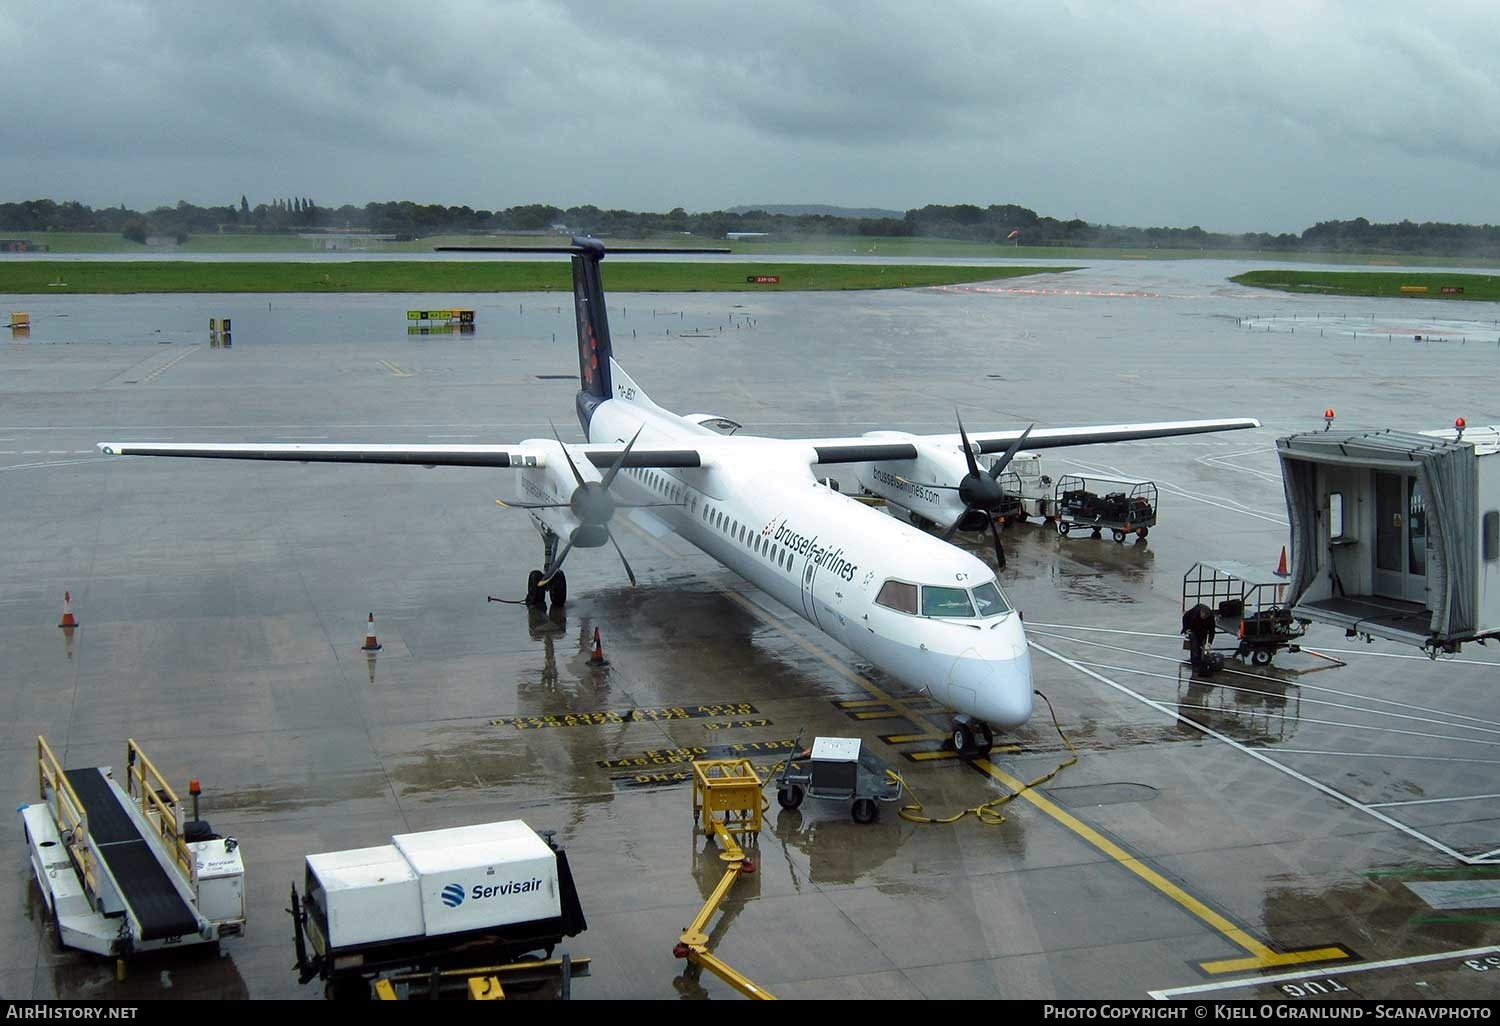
980,491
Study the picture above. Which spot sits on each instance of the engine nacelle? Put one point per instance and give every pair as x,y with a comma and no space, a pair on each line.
926,487
551,484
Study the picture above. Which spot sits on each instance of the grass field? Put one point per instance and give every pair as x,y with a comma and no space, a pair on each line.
86,277
1483,287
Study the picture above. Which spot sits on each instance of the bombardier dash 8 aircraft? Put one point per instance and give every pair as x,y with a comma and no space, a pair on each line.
926,612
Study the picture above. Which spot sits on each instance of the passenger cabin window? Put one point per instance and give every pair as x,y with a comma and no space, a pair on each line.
945,602
989,600
898,595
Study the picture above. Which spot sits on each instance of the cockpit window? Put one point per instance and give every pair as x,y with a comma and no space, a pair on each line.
898,595
945,602
989,600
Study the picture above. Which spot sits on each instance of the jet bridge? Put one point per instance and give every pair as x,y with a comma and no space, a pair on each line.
1396,535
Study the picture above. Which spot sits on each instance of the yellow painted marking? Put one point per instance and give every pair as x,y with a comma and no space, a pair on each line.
394,369
886,714
1261,956
906,739
857,703
930,756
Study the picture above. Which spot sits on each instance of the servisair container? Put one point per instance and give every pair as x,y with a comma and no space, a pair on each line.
486,875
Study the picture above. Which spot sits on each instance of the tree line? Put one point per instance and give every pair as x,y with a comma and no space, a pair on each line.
999,224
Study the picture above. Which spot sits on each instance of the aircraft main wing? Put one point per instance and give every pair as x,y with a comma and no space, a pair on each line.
522,455
872,450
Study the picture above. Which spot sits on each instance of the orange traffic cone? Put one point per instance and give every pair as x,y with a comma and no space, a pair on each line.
371,645
596,658
68,620
1281,570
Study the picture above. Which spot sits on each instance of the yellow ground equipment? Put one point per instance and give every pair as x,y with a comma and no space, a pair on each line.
727,800
486,983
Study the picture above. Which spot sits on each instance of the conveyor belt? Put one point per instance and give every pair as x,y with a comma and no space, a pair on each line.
144,884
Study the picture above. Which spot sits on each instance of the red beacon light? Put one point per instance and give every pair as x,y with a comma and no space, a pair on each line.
1328,418
1458,426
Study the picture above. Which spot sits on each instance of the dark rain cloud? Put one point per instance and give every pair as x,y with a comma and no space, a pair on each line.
1235,116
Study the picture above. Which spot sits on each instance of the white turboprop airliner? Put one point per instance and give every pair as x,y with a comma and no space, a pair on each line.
924,611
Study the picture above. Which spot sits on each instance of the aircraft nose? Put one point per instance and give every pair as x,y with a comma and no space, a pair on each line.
1000,684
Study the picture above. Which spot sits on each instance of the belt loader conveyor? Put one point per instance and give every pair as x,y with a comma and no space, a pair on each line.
121,869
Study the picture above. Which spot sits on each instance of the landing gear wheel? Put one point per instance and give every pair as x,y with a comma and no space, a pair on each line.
865,810
963,739
1062,528
1119,535
534,594
1141,532
985,739
557,591
1020,516
1096,534
789,797
1261,657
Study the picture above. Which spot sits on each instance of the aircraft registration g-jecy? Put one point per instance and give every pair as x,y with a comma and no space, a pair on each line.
928,613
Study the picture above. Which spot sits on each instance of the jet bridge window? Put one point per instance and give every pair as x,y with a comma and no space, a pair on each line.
898,595
946,602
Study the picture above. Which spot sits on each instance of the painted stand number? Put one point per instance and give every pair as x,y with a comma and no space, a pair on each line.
1311,987
1483,965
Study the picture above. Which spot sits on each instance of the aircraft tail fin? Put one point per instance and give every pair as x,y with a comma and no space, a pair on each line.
594,349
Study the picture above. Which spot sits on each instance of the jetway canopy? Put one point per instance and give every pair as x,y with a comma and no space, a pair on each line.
1327,557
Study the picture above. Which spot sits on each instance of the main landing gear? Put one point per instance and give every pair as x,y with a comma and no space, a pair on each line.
556,589
971,738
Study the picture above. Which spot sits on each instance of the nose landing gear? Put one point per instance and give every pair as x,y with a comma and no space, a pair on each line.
971,738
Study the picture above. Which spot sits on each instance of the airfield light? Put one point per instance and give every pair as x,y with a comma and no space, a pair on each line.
1459,425
1328,418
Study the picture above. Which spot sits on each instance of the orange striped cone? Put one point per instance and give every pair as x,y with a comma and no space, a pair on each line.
596,658
1281,570
68,620
370,645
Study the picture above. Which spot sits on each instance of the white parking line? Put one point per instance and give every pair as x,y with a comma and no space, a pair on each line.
1342,970
1433,801
1259,756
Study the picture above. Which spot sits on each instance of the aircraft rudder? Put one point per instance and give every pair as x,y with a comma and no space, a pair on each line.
594,348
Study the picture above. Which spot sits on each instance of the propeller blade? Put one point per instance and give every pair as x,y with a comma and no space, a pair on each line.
999,549
571,465
614,469
646,505
628,572
1010,454
557,563
954,526
531,505
968,453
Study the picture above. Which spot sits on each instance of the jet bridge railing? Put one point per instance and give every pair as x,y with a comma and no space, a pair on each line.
158,802
70,814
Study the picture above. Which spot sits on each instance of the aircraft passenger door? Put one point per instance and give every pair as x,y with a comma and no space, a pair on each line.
1400,538
809,608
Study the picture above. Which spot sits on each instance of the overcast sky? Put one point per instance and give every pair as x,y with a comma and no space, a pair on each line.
1235,116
